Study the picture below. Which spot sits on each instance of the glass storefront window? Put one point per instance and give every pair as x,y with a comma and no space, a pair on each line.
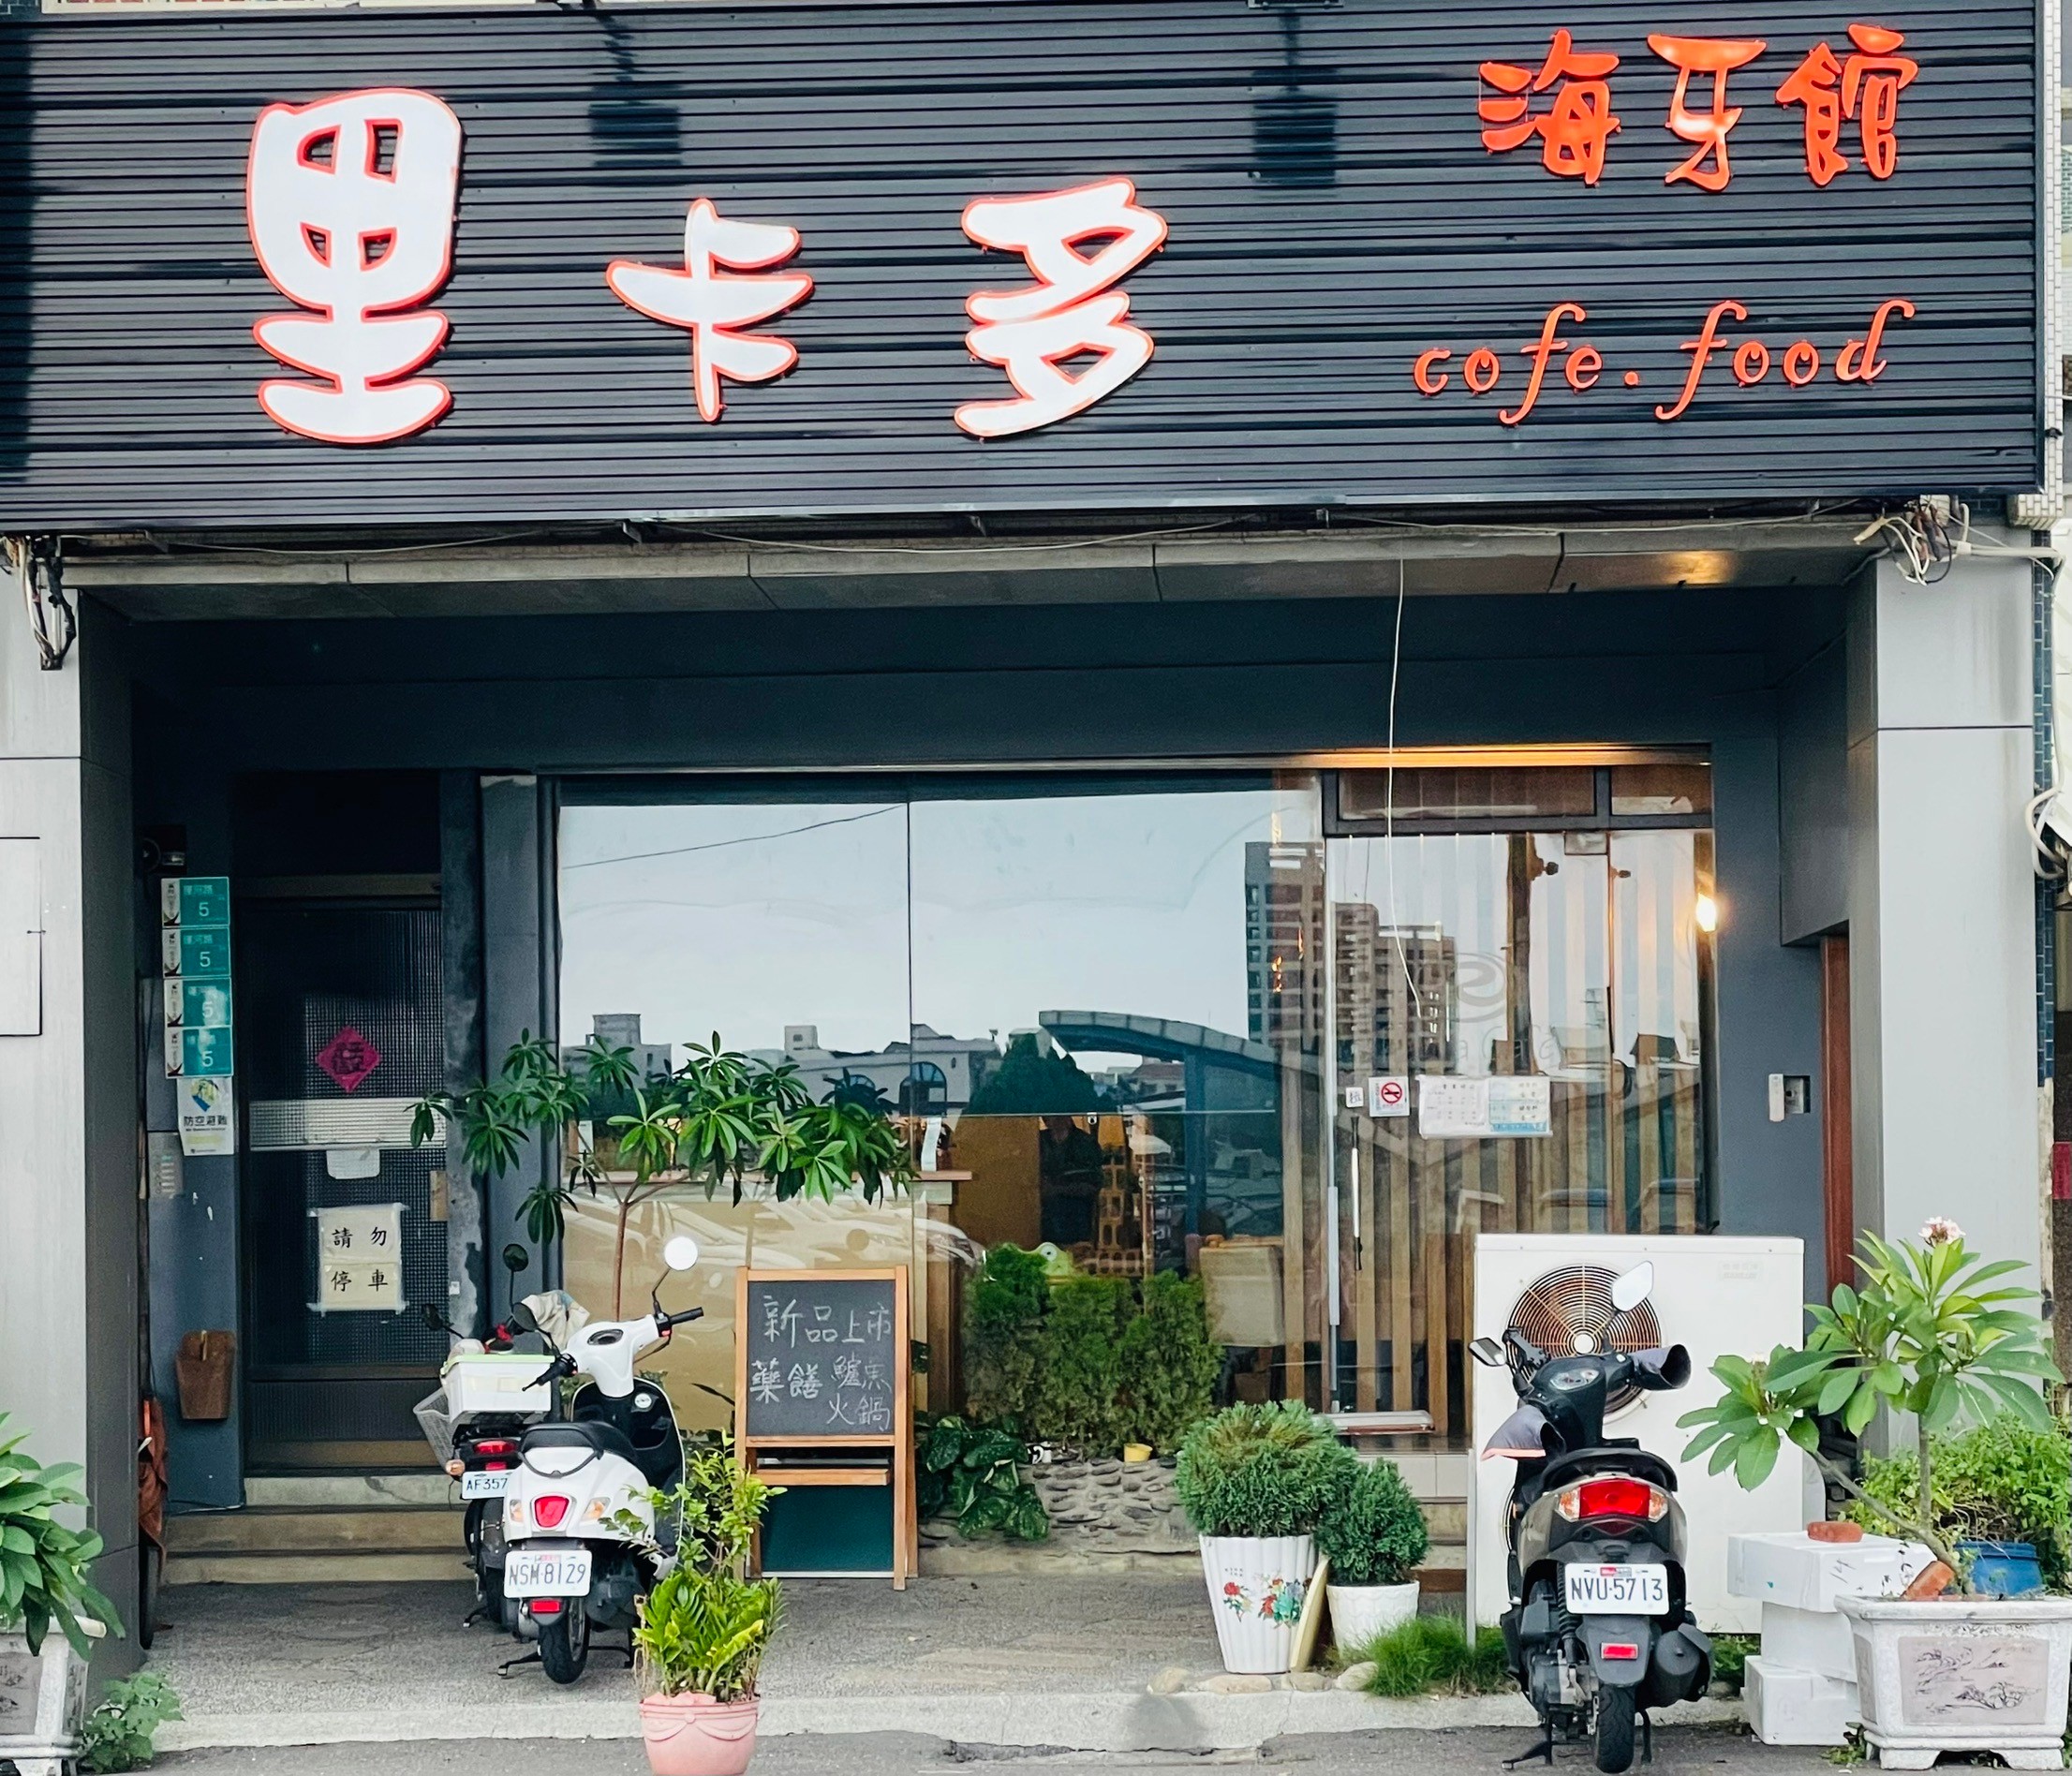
1121,1018
1575,956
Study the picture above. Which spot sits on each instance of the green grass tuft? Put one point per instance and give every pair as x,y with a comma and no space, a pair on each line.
1431,1656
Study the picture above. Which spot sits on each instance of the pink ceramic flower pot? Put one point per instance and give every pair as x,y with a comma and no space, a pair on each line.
695,1736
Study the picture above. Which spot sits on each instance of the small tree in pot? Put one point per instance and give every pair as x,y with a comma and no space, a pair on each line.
1926,1334
1375,1538
44,1585
1256,1482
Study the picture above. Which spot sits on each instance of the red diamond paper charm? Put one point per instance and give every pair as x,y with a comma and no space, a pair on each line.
349,1058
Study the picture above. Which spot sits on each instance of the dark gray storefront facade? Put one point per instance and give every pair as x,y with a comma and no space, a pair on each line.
374,678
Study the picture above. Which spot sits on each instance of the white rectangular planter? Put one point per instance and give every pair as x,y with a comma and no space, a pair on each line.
1968,1674
42,1702
1256,1587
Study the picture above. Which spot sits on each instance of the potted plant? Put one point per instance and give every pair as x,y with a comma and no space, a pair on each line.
719,1119
1928,1334
704,1626
1255,1482
44,1585
1374,1539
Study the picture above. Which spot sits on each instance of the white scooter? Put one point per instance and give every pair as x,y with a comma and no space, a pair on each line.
576,1517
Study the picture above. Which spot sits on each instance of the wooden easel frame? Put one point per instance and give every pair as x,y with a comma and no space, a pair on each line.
906,1528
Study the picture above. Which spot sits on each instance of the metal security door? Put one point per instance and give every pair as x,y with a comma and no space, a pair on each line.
343,1011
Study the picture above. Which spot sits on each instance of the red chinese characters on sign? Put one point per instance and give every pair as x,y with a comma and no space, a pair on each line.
1574,127
350,203
1577,122
1719,57
713,304
1071,311
1866,87
349,1058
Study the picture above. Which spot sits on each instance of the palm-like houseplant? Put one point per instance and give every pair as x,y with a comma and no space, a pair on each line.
719,1120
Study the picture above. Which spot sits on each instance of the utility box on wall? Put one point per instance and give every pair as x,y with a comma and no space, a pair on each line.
1714,1296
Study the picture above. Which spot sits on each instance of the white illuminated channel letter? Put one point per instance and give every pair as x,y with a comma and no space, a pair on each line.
1069,312
350,201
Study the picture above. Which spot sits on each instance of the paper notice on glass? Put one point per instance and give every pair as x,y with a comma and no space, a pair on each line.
1452,1109
1521,1104
208,1117
1504,1107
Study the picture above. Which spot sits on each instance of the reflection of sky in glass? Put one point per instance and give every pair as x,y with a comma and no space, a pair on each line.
739,919
746,918
1115,903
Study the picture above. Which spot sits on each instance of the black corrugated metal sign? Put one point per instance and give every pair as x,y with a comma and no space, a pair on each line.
1380,252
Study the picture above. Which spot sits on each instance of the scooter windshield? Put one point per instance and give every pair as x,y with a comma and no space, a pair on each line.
1519,1436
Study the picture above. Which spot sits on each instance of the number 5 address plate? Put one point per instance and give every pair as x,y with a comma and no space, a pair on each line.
1618,1591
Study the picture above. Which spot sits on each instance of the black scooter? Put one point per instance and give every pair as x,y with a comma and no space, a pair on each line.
1598,1631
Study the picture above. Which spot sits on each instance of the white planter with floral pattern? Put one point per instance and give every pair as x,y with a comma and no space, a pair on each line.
1963,1674
1256,1588
42,1701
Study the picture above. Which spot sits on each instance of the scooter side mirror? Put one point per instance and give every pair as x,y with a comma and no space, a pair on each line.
1662,1368
517,1260
681,1253
1487,1352
1629,1291
520,1317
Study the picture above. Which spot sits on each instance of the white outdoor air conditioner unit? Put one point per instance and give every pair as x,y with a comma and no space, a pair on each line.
1714,1294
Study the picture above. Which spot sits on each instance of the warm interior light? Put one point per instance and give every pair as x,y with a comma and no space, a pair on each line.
1708,913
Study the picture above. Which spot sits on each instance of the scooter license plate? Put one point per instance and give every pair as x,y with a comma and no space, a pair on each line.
485,1486
558,1572
1618,1591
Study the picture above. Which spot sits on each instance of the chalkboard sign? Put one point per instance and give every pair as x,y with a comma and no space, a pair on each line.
825,1355
820,1403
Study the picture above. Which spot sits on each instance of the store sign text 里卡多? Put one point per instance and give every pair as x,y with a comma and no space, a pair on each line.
352,206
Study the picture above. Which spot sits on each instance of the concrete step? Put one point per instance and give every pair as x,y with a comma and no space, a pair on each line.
314,1569
351,1491
1446,1521
287,1530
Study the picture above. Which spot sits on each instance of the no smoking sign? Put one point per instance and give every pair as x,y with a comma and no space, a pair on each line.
1388,1096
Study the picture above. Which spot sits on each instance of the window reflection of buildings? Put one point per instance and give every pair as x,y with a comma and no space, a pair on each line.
932,1075
1283,974
1399,990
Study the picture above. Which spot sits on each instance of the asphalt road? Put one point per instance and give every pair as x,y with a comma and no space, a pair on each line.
1465,1753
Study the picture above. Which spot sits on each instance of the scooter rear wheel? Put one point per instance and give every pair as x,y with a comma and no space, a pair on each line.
1614,1729
565,1648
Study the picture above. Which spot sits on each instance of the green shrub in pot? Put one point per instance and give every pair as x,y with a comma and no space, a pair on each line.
1263,1471
704,1633
1003,1334
2001,1481
1079,1382
1376,1535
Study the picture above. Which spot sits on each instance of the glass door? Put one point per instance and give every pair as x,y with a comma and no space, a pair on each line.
1517,1021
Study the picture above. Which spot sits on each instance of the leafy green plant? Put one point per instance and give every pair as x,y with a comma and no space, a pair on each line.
719,1119
708,1518
1432,1655
43,1564
120,1734
1924,1335
1263,1471
1170,1366
1730,1657
973,1473
2002,1481
704,1633
1376,1534
1079,1364
1003,1335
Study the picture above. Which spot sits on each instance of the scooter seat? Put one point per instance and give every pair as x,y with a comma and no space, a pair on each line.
593,1434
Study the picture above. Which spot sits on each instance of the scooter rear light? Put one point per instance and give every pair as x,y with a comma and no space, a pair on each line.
549,1509
496,1447
1620,1650
546,1606
1613,1496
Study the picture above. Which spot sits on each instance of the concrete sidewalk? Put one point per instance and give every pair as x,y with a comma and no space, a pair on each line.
1099,1664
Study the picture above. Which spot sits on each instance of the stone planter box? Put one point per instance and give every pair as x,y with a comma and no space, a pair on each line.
1107,1515
42,1702
1967,1673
